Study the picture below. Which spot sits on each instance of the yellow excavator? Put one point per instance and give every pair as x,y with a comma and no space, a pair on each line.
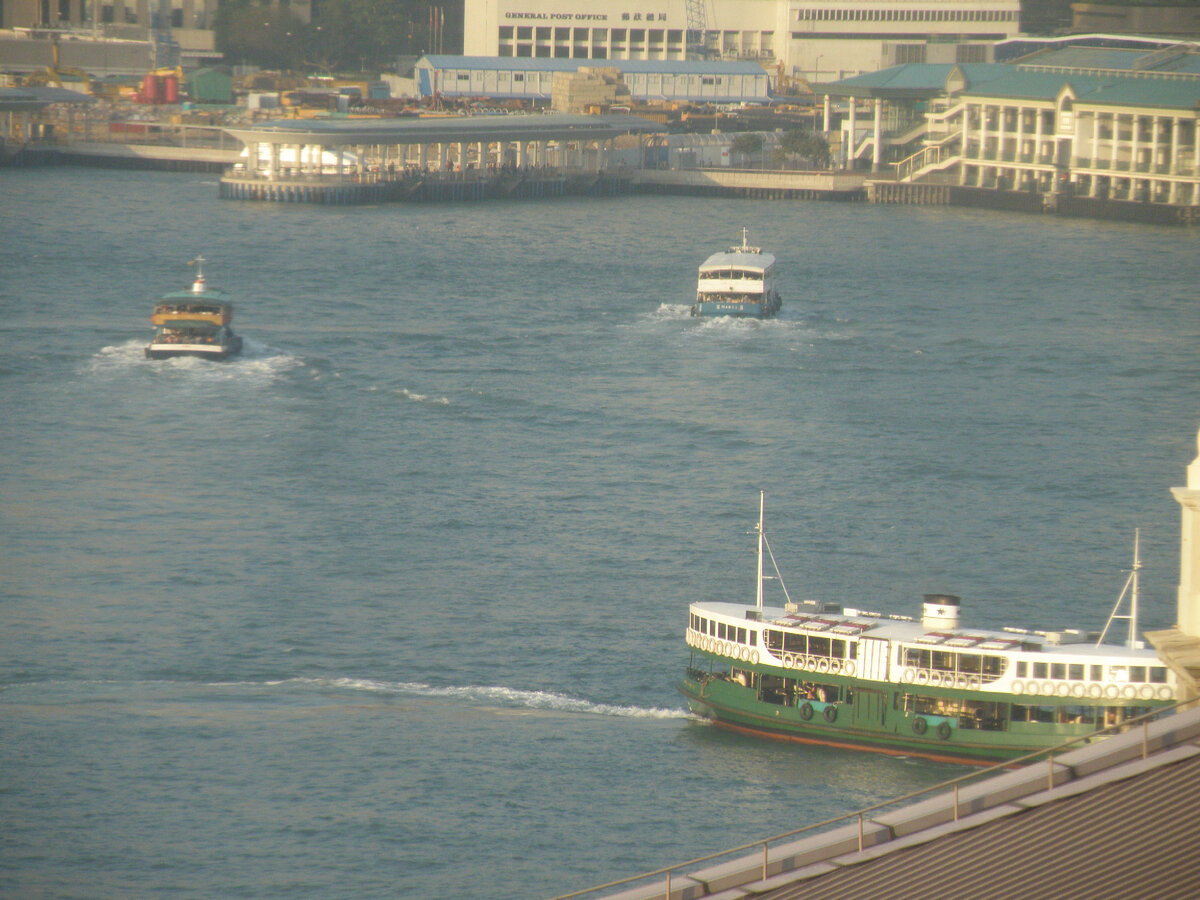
56,75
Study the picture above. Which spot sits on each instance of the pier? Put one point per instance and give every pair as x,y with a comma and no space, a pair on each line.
467,159
430,159
764,184
415,186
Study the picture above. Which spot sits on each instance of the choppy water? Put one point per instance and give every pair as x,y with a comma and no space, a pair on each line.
392,606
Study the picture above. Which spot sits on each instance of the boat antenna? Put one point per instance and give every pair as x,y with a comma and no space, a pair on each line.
1131,587
764,543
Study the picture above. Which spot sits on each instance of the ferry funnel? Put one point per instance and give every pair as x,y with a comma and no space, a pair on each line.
940,611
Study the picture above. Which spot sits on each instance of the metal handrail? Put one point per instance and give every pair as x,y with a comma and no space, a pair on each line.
861,814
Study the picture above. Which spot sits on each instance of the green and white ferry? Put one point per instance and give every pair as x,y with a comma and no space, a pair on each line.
819,673
197,322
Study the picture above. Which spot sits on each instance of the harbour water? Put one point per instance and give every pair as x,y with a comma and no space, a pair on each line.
392,605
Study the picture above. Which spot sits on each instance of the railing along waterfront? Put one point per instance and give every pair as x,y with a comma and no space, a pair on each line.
684,869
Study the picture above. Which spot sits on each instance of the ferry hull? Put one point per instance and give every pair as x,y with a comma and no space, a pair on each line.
715,308
869,716
201,351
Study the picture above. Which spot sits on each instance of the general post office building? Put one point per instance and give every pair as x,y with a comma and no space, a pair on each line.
818,40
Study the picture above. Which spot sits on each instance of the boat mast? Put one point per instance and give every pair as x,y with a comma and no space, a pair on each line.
1133,594
762,502
1131,587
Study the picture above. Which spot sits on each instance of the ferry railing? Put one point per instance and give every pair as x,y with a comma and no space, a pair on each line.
684,868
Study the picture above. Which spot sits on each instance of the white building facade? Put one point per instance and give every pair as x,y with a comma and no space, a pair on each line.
817,40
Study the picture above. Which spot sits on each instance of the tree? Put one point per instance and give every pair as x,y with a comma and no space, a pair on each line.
272,38
344,36
806,144
747,143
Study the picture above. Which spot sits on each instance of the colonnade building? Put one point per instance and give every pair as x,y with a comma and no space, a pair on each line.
1105,123
817,40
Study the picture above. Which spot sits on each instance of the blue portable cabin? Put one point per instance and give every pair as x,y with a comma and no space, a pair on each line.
532,78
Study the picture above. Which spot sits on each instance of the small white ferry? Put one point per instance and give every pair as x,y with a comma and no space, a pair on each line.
931,687
196,322
738,282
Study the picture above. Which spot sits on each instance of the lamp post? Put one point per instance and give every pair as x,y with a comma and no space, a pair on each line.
817,67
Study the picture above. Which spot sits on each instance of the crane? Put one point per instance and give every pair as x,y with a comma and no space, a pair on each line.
697,24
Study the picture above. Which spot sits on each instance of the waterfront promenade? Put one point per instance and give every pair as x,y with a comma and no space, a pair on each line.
214,149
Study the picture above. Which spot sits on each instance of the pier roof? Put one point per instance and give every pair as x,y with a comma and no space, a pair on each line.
443,129
914,81
1179,89
16,99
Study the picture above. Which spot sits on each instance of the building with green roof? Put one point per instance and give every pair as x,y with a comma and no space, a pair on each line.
1090,122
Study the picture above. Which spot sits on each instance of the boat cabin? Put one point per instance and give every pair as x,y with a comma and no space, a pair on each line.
189,331
192,309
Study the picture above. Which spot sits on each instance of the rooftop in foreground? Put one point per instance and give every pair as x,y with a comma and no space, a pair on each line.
1113,816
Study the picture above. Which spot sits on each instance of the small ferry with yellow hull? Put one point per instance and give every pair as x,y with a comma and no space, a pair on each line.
196,322
928,687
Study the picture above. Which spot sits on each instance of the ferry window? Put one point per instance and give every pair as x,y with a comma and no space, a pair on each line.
1078,715
1033,713
1097,673
993,666
712,628
794,643
1022,668
969,663
1158,675
754,638
1075,671
1040,670
741,635
943,661
818,646
773,639
1118,673
721,630
853,651
839,650
1137,673
1058,670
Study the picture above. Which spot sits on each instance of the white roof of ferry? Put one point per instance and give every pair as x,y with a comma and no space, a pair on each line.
743,257
853,623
